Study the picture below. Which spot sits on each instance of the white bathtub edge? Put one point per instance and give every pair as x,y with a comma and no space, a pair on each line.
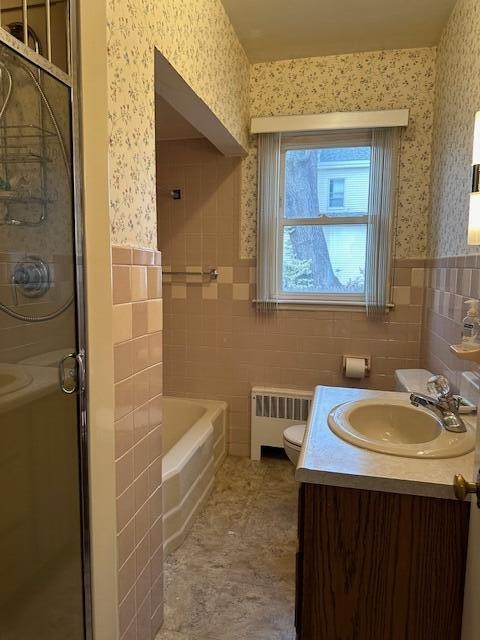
174,461
189,469
175,540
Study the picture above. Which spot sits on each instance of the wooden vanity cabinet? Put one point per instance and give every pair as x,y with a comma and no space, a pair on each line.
379,566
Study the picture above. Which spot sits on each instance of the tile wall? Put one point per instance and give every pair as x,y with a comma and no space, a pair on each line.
216,345
449,283
137,329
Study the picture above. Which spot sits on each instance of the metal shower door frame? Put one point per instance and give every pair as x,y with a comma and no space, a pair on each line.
71,81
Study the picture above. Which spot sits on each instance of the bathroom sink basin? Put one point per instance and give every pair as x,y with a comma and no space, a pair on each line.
398,429
12,378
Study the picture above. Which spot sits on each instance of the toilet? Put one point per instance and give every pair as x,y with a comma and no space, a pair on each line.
406,380
292,441
411,380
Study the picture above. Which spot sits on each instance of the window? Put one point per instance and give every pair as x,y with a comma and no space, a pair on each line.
336,194
321,233
309,251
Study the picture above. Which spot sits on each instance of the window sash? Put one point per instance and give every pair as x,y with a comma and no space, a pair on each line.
328,140
318,296
335,140
322,220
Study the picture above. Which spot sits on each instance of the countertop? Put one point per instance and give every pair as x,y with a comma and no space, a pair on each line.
327,459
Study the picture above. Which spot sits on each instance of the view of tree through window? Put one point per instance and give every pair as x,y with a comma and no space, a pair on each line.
324,257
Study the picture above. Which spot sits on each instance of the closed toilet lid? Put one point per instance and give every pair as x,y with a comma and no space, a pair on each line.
295,434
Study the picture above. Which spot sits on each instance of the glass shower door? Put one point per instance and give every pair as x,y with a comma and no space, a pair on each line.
42,590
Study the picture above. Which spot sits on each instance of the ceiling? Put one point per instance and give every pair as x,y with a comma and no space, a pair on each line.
170,125
283,29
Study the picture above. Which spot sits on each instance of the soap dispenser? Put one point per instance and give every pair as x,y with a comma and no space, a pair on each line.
471,326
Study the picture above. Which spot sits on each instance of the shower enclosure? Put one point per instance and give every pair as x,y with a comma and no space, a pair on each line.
44,585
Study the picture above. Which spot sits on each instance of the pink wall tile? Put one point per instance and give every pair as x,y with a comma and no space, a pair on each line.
126,577
123,361
137,312
144,619
121,255
124,472
127,612
123,435
139,319
124,398
140,354
125,508
121,282
139,289
450,282
141,422
142,490
126,542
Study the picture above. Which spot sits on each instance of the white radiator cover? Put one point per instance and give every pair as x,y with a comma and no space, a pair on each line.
272,411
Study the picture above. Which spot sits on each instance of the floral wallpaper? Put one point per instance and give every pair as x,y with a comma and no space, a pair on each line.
198,40
457,98
362,81
131,122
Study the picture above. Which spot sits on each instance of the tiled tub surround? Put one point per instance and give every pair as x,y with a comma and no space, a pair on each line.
450,282
216,345
137,328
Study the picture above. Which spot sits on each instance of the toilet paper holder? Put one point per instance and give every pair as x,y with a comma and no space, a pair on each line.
368,363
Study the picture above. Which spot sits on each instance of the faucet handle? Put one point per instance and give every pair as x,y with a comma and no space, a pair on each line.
439,387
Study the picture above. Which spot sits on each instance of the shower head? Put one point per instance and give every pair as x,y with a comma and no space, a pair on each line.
17,30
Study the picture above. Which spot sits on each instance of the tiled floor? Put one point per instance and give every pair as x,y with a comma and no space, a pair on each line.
234,576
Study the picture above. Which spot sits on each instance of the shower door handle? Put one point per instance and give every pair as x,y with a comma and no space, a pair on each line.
72,379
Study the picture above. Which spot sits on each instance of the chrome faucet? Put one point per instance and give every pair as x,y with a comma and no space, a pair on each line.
442,402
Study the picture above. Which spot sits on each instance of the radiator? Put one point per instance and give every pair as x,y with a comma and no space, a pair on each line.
272,411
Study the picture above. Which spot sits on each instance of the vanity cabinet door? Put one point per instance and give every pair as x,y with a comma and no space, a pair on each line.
379,566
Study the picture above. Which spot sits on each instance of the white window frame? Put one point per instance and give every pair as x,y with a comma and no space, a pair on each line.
317,141
331,193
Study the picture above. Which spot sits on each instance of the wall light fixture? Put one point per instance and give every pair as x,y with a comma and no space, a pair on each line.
474,215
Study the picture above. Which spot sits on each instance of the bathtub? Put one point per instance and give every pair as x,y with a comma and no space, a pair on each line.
194,446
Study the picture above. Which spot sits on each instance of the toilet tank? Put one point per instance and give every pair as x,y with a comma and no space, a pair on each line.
412,380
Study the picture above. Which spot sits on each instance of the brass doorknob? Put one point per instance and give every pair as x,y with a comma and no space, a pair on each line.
462,488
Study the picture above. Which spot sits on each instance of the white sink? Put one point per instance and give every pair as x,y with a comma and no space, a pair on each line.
13,378
398,429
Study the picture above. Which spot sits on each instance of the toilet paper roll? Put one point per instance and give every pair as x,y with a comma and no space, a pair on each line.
355,368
